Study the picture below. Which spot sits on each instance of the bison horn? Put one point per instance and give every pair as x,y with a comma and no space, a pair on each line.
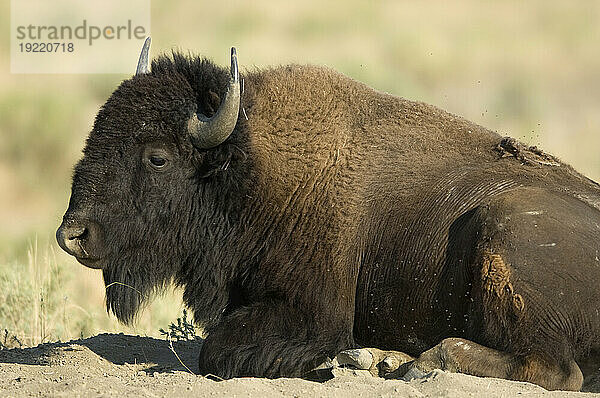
206,132
142,66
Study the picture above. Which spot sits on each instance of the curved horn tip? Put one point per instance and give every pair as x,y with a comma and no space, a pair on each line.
209,133
142,66
235,75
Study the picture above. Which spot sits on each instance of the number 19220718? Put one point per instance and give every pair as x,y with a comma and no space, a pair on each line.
49,47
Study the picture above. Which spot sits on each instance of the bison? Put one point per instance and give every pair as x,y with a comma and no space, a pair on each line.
304,213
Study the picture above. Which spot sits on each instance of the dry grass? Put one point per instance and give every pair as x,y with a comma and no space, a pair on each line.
527,69
49,300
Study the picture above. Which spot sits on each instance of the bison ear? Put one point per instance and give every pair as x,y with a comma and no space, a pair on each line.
212,103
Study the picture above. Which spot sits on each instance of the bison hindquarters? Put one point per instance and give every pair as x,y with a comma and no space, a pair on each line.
534,292
268,340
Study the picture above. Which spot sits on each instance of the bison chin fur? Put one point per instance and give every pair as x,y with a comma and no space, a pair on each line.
130,286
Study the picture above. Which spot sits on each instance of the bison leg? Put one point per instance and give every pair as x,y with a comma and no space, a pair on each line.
269,340
464,356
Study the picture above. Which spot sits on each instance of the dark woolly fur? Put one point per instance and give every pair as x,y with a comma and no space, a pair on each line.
335,215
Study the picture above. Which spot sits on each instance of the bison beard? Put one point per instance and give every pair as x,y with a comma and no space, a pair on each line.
128,289
333,215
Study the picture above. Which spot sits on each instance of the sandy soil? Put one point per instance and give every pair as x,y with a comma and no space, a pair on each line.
120,365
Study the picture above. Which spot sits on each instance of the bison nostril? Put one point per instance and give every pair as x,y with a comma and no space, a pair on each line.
80,233
82,240
71,239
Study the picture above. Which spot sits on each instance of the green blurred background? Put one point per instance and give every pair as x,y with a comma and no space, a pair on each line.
526,69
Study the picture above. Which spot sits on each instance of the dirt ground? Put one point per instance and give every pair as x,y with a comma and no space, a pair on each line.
117,365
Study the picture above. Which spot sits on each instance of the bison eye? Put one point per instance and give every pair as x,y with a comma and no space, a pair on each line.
156,157
157,161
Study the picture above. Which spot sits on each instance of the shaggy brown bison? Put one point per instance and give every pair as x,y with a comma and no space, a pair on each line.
305,213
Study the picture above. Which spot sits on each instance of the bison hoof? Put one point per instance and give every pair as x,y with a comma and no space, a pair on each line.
414,373
359,358
388,364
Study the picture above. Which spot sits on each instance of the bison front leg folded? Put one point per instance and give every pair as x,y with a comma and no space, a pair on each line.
269,340
464,356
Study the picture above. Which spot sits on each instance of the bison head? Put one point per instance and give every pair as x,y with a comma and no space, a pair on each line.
146,197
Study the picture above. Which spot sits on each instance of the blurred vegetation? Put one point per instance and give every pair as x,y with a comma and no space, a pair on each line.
526,69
